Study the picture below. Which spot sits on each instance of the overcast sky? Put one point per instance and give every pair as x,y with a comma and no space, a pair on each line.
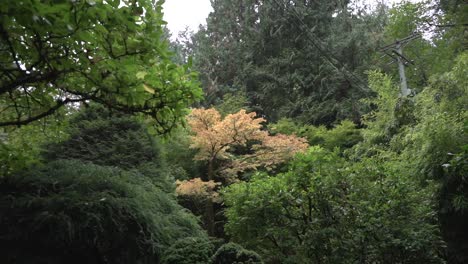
185,13
190,13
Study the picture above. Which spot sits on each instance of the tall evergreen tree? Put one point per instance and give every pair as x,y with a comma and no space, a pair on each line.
300,59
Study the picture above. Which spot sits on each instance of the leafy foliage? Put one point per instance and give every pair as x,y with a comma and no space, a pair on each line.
106,138
325,210
75,212
215,137
65,52
176,149
343,136
233,103
190,250
385,180
20,148
438,144
232,253
196,189
424,136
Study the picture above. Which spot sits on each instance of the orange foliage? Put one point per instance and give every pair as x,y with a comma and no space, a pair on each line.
272,151
279,148
213,138
197,188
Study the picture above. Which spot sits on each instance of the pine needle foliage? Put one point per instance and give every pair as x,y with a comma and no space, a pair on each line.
106,138
74,212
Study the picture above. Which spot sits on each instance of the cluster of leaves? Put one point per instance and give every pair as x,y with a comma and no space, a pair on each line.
435,146
326,210
230,146
56,53
106,138
190,250
233,103
214,137
21,148
200,251
235,254
176,150
198,190
343,136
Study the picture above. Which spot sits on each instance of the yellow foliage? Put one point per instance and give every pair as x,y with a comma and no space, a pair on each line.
279,148
198,188
214,136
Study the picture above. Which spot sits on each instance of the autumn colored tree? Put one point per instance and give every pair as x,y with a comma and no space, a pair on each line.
214,137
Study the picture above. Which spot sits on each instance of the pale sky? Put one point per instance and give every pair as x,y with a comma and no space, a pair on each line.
185,13
180,14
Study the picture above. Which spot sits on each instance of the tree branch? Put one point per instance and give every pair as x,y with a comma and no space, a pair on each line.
30,79
50,111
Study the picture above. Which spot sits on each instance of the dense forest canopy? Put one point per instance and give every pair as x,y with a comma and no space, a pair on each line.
279,132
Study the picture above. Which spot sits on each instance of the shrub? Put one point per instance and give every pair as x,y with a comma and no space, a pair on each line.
343,136
105,138
232,253
75,212
327,210
190,250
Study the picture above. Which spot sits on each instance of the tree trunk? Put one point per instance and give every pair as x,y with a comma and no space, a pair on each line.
209,209
210,170
209,216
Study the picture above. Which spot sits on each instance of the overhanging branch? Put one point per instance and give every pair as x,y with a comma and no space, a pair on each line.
50,111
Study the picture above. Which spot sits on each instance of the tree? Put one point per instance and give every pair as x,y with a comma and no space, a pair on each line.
326,210
219,141
296,59
102,195
57,53
438,150
107,138
424,137
214,137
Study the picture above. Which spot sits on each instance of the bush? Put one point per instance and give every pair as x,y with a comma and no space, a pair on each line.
343,136
105,138
190,250
74,212
325,209
232,253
